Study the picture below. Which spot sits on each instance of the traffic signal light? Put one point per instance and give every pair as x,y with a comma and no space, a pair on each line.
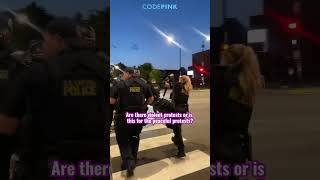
293,26
201,69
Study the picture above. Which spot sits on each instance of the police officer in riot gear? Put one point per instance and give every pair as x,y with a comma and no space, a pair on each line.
67,101
133,95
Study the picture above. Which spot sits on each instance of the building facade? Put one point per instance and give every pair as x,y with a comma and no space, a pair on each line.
293,38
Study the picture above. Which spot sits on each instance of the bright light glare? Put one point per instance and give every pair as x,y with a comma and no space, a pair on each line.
23,19
117,67
206,37
170,39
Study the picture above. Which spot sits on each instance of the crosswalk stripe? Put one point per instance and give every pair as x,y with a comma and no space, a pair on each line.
146,144
147,128
170,168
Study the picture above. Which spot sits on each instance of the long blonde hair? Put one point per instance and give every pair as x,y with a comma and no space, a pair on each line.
186,81
244,58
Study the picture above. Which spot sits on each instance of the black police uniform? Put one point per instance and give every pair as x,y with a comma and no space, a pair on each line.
113,107
10,68
180,100
56,133
230,140
7,68
232,117
132,94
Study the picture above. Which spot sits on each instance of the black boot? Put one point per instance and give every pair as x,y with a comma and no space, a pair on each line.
130,167
178,141
173,139
123,166
181,152
135,148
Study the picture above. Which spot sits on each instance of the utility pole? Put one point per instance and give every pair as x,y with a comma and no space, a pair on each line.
180,60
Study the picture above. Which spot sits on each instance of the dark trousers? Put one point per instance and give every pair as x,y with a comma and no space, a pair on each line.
128,137
177,130
165,91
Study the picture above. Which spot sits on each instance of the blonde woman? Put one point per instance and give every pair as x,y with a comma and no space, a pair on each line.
244,66
242,79
180,97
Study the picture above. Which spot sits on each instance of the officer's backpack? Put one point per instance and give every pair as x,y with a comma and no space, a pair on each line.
78,95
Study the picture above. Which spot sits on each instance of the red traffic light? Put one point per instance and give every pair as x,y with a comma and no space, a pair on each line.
201,69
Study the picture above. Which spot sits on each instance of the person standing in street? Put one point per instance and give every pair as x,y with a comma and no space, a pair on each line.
133,95
180,96
168,84
236,86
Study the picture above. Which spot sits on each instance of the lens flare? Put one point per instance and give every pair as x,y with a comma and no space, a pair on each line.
206,37
23,19
169,38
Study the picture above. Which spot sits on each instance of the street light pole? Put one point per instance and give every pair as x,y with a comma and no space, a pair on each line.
180,60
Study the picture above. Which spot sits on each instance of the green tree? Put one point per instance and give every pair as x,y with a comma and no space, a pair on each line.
145,70
155,74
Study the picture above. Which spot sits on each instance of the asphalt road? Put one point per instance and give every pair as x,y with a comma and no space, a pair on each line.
285,127
286,133
156,152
